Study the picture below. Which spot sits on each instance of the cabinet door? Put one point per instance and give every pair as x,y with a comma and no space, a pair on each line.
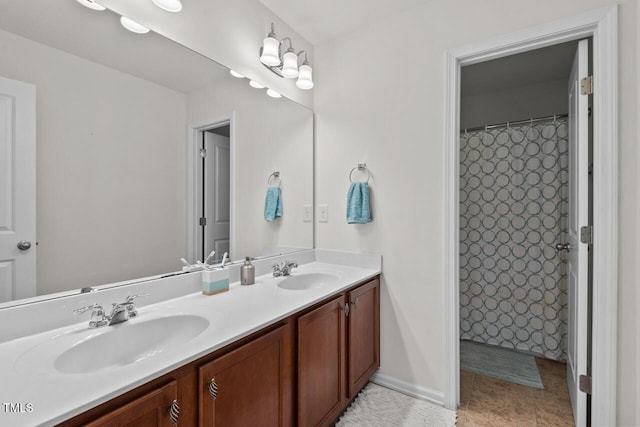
321,364
150,410
364,335
250,386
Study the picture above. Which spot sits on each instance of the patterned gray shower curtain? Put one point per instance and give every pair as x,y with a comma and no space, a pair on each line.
513,210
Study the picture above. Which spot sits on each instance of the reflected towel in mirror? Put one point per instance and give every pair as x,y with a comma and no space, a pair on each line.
358,209
273,204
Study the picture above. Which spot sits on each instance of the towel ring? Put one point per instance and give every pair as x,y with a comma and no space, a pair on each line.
273,177
360,167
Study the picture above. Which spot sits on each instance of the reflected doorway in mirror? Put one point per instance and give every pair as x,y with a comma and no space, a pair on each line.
17,190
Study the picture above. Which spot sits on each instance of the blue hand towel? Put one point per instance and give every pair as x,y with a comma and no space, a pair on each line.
273,204
358,209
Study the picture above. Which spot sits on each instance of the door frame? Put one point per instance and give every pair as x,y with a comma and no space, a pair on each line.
602,26
194,189
23,174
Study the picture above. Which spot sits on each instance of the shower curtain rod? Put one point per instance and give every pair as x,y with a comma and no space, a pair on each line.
515,123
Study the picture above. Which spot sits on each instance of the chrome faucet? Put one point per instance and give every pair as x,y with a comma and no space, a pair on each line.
283,269
121,312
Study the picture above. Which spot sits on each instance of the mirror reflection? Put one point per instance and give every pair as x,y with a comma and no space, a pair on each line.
124,188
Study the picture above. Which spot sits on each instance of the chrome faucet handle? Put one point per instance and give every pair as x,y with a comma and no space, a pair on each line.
276,270
87,308
129,299
97,315
130,306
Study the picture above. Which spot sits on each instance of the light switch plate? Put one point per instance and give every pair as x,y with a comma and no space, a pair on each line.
307,213
323,213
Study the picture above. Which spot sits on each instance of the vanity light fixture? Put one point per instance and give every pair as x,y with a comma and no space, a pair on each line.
133,26
169,5
285,65
91,4
255,84
236,74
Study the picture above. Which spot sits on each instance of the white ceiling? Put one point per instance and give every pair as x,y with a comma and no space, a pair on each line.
525,69
320,21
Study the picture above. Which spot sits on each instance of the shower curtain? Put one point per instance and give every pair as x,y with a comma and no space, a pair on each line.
513,211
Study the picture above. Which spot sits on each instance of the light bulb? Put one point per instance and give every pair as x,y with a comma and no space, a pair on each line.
255,84
305,80
236,74
270,52
169,5
272,93
133,26
91,4
290,65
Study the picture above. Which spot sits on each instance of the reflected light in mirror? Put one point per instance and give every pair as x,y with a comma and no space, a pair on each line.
133,26
169,5
236,74
256,85
272,93
91,4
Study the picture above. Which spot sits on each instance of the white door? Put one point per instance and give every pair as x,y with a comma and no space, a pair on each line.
17,190
577,267
216,194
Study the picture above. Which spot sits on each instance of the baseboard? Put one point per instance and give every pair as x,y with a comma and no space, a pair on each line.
409,389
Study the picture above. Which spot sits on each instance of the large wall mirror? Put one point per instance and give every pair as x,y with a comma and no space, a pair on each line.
122,119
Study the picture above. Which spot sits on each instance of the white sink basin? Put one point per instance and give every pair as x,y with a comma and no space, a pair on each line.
116,346
306,281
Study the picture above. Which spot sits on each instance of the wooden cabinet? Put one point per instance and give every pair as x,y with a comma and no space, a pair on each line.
364,335
302,371
250,386
321,363
338,351
150,410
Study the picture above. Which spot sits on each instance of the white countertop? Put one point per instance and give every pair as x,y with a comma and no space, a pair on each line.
55,397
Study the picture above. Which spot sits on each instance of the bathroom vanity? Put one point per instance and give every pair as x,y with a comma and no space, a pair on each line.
286,351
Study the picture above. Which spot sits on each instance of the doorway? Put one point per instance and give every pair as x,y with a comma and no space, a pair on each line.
216,173
515,142
210,200
17,190
601,25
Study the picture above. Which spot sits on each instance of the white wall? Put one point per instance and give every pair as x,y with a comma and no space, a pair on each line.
371,112
229,32
539,100
269,135
91,140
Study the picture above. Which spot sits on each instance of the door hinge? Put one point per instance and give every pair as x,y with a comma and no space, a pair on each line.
586,235
203,221
586,86
203,153
585,383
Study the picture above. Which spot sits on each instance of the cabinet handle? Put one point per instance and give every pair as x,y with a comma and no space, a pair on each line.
213,388
174,412
345,309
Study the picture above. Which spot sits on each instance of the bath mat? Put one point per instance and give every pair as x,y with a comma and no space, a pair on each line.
500,363
378,406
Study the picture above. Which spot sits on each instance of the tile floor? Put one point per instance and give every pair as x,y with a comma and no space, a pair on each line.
491,402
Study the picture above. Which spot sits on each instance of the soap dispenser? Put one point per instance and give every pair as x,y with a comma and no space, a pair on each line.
247,273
